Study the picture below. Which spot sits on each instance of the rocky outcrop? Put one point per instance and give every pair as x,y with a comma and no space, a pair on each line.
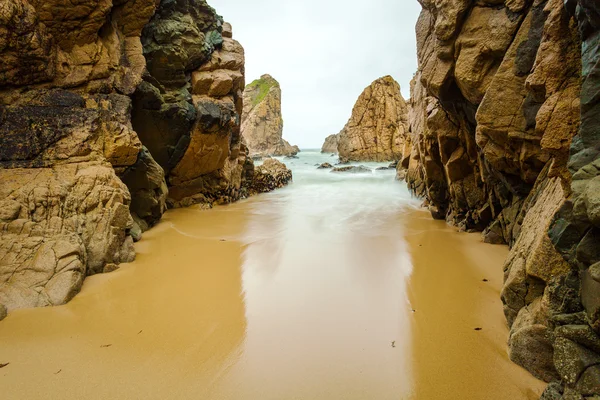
271,175
495,144
82,86
187,110
67,71
378,126
262,123
331,144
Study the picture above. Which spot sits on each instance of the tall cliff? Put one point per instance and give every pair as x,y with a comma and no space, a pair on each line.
377,126
262,122
91,94
495,144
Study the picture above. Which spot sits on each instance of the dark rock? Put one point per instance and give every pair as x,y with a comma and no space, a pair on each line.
325,166
553,391
3,311
531,347
146,182
271,175
361,169
571,359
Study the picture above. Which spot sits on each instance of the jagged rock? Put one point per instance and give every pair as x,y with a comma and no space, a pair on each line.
378,125
271,175
496,101
262,123
146,183
187,110
361,169
325,166
66,73
331,144
64,223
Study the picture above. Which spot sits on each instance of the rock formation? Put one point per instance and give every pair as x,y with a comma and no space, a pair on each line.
378,125
271,175
262,123
496,144
331,144
80,85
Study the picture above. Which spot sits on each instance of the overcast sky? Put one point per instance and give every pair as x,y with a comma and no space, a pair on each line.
323,53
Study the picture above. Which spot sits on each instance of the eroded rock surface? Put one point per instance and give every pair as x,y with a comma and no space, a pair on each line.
495,144
378,125
109,112
262,122
66,75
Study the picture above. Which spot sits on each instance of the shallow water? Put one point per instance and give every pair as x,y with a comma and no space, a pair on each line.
336,287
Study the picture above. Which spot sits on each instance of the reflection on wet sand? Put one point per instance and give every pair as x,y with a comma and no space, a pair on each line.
164,327
337,287
327,315
452,360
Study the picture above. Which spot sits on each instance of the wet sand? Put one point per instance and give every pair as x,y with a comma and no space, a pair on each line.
299,294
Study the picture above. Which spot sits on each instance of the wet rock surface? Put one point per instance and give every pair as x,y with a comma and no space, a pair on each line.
271,175
352,169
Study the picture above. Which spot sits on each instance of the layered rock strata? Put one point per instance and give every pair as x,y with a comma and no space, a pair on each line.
80,85
495,144
378,126
262,121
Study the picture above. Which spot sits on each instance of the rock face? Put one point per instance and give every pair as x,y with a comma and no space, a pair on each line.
67,73
331,144
82,86
187,110
378,126
262,123
496,144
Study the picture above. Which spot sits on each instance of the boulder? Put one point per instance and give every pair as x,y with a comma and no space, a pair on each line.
271,175
325,166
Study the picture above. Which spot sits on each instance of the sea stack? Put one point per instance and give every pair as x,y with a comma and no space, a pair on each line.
262,123
331,144
378,125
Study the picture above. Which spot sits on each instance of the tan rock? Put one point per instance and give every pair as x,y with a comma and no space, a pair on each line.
262,123
378,125
330,145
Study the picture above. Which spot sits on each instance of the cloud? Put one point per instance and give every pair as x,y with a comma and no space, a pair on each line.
323,53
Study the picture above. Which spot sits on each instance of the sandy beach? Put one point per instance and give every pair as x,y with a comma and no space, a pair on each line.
297,294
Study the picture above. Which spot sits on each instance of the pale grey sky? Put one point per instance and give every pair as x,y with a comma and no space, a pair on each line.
323,53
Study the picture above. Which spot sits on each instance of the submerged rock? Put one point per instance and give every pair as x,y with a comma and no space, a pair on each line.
262,123
378,126
325,166
361,169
